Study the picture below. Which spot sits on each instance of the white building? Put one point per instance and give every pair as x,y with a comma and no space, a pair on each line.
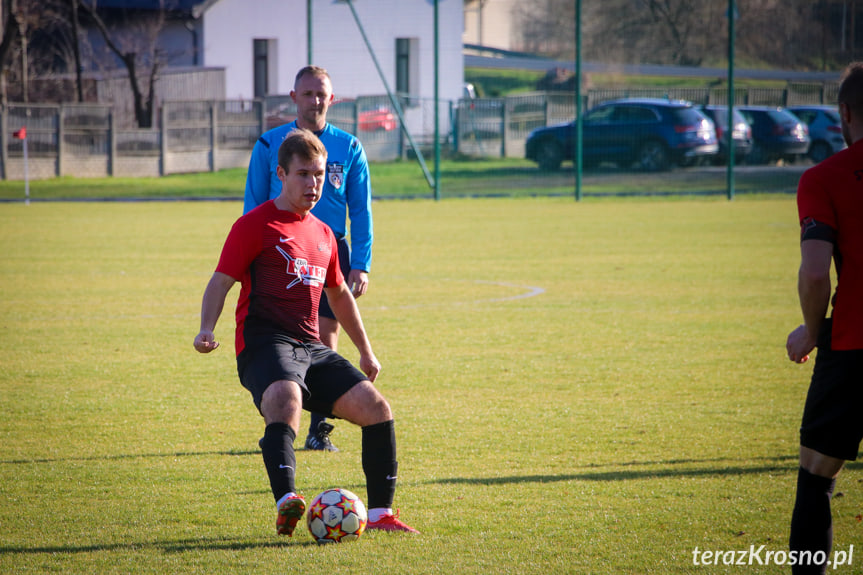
491,23
270,43
262,43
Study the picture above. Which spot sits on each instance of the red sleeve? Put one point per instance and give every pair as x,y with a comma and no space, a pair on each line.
813,200
241,248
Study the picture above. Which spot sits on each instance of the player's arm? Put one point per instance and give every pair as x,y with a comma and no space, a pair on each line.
258,177
358,192
813,289
345,308
211,308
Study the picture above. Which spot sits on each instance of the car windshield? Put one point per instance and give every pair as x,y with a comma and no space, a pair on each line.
782,116
720,116
832,116
687,115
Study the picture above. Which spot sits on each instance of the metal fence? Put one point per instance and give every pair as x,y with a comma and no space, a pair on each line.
86,140
498,127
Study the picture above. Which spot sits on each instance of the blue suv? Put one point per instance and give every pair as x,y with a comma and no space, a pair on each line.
650,132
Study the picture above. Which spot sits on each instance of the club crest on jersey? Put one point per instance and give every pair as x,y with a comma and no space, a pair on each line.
302,271
335,174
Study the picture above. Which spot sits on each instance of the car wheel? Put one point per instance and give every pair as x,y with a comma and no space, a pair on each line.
819,151
652,156
549,155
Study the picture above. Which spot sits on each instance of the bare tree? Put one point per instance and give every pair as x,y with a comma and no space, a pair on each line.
11,27
11,35
76,46
785,34
547,27
43,26
677,21
782,33
139,54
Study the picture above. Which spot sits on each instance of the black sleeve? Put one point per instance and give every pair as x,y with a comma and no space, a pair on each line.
812,229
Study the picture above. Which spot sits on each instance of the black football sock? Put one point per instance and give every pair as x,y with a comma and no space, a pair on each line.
277,447
313,424
811,522
379,463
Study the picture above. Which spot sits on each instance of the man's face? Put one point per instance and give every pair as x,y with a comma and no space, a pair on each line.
303,184
313,96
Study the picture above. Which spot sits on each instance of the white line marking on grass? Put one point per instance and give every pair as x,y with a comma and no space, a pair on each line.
531,290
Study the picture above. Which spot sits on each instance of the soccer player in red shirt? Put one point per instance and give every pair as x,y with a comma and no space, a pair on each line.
284,257
830,206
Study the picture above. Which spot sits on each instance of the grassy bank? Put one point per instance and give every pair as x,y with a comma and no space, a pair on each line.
485,177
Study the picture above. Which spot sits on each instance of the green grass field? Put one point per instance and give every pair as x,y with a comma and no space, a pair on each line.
595,387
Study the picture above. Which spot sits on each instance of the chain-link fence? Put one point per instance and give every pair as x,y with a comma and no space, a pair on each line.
196,136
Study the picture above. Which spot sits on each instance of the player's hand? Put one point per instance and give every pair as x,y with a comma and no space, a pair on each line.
205,341
370,366
358,282
799,345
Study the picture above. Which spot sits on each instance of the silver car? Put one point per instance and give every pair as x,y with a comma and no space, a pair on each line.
825,130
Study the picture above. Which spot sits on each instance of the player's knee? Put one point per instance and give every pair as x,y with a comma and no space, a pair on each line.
381,409
281,401
363,405
819,464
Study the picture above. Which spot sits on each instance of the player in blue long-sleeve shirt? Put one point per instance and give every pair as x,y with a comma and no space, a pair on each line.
347,193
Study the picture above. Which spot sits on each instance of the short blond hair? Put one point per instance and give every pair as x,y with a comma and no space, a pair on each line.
303,143
315,71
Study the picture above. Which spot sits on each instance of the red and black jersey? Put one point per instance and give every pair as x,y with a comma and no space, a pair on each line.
283,262
830,206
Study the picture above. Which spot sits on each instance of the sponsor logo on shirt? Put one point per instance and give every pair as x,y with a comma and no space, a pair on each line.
302,272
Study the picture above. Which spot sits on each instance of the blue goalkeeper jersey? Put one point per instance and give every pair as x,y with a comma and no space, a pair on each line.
347,189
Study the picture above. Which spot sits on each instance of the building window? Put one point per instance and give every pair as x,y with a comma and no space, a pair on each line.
261,68
407,72
265,66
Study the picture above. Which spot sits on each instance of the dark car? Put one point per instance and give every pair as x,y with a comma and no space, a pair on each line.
652,133
825,130
742,132
777,133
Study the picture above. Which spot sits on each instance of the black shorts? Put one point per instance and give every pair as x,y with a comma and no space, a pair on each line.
323,374
833,415
345,264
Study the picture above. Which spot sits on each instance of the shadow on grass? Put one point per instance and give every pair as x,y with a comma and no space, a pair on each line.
671,468
168,546
230,452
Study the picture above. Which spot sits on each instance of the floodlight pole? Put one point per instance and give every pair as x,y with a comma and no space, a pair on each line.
26,174
729,175
436,104
309,32
393,101
577,156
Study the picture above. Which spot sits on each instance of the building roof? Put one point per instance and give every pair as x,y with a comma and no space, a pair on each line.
171,5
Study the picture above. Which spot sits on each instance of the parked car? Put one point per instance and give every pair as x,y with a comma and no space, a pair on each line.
825,130
379,119
650,132
742,133
777,134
